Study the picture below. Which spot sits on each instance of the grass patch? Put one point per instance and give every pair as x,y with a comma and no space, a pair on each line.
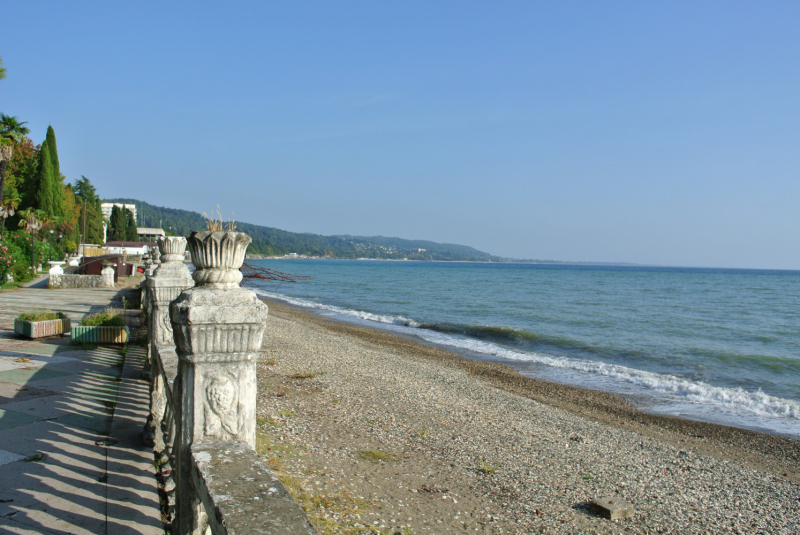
107,318
422,432
331,512
306,375
124,350
587,477
10,286
36,458
287,414
487,468
270,362
42,315
375,455
267,446
267,421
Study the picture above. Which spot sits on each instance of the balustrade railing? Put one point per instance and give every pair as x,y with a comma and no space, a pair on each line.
205,333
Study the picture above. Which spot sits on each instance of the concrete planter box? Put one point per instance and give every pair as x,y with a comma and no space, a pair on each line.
40,329
100,335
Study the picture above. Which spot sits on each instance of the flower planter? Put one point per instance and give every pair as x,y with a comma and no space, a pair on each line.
40,329
100,335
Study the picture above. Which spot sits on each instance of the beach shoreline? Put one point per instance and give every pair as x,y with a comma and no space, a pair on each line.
344,389
763,451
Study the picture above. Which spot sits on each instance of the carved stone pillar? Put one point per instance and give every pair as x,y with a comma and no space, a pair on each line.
169,279
218,331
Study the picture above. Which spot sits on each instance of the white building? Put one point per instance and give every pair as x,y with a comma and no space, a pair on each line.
107,206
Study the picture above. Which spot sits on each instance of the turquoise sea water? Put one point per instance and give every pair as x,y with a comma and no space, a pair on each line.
720,345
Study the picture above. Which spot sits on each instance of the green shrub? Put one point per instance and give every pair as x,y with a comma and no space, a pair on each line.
42,315
107,318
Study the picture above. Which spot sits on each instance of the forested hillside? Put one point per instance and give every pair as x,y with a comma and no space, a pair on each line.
271,241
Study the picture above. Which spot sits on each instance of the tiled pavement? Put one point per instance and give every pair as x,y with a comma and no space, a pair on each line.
71,454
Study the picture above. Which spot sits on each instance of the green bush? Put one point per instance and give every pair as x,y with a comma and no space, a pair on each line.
42,315
107,318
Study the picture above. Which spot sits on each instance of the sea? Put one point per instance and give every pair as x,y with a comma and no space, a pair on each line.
717,345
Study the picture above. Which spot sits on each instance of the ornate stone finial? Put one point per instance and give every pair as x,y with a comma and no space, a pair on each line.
218,256
171,248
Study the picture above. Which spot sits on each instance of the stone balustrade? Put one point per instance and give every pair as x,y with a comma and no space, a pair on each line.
205,334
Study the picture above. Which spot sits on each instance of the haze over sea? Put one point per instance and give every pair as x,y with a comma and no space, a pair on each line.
719,345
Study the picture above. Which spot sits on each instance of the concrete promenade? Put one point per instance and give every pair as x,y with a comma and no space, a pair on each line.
71,455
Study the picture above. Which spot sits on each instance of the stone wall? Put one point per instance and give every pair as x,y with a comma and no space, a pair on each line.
77,281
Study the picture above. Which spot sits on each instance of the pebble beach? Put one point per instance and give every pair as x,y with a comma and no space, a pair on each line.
376,433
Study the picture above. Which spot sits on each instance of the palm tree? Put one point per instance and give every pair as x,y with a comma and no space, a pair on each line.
11,132
32,220
2,70
7,209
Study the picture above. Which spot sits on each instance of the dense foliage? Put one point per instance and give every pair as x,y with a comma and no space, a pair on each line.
271,241
16,252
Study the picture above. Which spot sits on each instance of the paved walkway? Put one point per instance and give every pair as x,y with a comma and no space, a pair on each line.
71,454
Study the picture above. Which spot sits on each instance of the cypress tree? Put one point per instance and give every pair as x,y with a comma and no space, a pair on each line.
44,190
131,232
96,213
117,224
56,181
51,140
112,219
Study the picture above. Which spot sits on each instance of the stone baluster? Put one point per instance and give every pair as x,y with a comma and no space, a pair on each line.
218,329
169,279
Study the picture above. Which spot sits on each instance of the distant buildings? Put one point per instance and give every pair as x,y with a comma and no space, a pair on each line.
127,247
149,234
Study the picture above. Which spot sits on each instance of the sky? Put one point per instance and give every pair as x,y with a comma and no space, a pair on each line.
647,132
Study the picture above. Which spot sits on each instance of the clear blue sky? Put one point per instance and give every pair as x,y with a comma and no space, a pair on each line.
649,132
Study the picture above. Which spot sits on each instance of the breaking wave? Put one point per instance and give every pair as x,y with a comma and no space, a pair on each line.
480,340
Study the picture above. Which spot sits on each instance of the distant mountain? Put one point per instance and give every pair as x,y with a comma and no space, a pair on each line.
270,241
